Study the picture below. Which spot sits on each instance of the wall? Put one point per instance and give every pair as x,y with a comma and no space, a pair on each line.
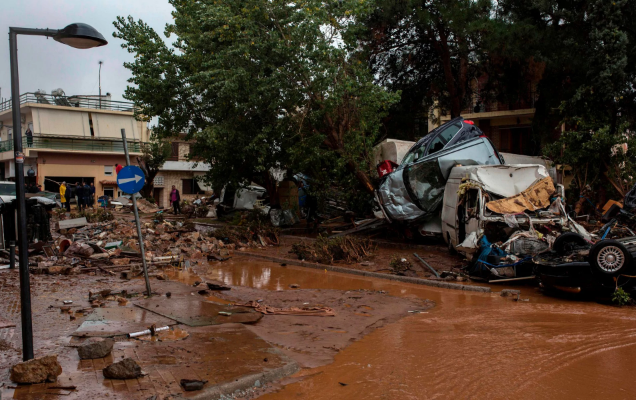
60,122
78,165
109,126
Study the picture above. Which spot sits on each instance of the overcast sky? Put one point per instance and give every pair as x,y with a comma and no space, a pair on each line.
48,65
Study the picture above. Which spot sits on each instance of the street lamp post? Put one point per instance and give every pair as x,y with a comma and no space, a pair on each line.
80,36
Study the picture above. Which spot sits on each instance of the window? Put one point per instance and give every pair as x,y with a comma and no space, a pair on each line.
425,184
174,155
158,181
108,170
191,186
7,189
110,192
443,137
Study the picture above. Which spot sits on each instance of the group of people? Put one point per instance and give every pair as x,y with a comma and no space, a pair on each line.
83,193
32,188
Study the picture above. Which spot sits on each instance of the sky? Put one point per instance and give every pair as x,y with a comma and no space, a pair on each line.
46,64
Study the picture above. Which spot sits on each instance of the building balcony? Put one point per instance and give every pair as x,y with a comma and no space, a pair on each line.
67,144
71,101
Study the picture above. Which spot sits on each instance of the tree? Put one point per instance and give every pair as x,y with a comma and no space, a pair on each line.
588,84
260,84
431,50
154,155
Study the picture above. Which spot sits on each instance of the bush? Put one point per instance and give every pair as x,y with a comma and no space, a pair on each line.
621,297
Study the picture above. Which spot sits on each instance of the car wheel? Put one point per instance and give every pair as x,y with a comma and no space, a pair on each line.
610,257
568,242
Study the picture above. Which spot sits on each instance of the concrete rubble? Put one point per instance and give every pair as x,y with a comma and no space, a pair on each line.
38,370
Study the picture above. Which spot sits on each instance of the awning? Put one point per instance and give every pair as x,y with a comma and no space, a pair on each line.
108,183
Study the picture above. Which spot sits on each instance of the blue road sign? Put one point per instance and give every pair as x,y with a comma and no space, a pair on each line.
131,179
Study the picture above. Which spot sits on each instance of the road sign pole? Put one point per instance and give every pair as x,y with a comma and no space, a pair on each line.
141,238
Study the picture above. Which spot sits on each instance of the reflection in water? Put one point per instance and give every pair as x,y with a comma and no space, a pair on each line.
471,345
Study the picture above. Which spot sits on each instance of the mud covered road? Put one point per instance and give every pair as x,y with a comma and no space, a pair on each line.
469,346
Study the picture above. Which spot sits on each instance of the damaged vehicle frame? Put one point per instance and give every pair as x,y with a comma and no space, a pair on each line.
412,194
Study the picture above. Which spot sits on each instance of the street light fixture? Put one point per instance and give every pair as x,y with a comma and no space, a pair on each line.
79,36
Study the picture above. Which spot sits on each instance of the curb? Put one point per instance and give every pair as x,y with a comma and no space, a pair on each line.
406,279
226,390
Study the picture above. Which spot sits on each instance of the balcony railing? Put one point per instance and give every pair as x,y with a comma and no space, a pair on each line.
72,144
66,101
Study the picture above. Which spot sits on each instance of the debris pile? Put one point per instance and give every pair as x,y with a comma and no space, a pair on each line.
326,250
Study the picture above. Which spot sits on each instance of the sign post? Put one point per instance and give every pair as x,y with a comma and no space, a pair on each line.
130,180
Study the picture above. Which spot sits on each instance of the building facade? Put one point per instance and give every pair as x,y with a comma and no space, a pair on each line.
72,139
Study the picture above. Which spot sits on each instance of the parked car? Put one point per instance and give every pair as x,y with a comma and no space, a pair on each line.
7,191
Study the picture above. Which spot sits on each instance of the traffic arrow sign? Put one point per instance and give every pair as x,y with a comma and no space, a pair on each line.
131,179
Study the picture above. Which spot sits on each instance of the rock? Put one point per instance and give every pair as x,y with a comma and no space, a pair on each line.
510,292
190,385
294,286
125,369
257,384
38,370
95,349
224,253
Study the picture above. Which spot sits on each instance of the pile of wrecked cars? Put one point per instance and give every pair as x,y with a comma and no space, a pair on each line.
508,220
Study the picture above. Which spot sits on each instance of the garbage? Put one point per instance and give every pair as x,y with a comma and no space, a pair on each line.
269,310
38,370
150,331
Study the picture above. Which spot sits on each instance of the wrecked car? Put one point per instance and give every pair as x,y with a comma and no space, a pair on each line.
502,216
413,192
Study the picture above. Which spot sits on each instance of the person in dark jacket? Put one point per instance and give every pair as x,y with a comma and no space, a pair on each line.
175,199
29,137
87,196
92,194
79,193
70,193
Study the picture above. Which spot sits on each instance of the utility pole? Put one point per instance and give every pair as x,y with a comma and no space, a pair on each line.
100,84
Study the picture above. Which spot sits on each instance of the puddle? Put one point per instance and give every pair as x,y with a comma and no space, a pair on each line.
172,335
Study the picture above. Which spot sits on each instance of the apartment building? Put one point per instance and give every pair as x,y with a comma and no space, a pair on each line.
78,138
181,172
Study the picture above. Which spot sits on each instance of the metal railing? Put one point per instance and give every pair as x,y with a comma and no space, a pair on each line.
73,144
70,101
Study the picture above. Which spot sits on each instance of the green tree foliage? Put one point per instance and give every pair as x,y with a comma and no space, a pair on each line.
431,50
260,84
589,52
154,155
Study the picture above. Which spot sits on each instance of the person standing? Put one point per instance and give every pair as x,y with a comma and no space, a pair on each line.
92,194
65,200
70,193
175,198
79,193
118,168
87,196
29,137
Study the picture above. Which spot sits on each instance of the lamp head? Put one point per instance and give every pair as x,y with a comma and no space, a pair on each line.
80,36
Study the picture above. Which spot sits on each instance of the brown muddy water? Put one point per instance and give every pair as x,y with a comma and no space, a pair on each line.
470,345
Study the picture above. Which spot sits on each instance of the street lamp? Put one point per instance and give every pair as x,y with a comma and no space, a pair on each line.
80,36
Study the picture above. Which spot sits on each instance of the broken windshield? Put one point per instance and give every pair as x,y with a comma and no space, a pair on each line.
426,184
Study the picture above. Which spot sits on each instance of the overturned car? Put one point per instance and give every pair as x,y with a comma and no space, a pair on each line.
412,194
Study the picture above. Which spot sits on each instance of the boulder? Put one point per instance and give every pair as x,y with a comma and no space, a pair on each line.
124,369
97,349
38,370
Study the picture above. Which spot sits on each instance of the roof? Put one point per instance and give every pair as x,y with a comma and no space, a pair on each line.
502,180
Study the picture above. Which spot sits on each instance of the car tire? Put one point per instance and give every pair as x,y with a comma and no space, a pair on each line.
610,258
567,241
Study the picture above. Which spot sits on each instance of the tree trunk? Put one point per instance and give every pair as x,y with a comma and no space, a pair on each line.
363,177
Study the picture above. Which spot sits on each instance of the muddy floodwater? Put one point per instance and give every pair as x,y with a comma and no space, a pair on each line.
470,345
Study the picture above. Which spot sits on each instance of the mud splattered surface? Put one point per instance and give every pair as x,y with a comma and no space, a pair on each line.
314,341
470,345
